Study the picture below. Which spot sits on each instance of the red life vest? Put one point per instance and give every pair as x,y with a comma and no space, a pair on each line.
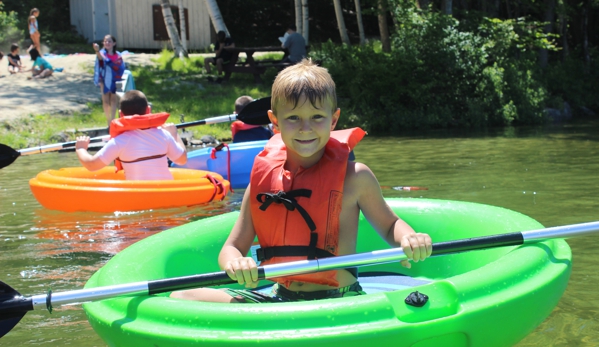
241,126
126,123
296,217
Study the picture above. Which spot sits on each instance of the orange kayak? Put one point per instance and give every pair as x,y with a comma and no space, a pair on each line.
78,189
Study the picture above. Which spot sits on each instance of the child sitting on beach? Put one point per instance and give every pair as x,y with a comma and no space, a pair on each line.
305,198
242,132
139,140
41,68
14,59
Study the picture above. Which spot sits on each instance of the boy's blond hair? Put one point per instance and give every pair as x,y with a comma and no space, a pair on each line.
304,78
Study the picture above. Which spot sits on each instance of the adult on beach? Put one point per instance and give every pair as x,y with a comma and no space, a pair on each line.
108,70
34,31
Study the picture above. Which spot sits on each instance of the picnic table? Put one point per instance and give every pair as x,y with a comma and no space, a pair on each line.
250,65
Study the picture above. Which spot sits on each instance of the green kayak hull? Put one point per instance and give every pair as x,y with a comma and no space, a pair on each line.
484,298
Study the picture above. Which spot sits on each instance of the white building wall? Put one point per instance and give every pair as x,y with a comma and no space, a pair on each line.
131,22
82,18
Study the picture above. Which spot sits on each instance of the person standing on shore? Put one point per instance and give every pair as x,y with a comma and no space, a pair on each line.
34,31
108,70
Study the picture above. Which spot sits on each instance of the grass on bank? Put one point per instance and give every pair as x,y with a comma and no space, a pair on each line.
174,86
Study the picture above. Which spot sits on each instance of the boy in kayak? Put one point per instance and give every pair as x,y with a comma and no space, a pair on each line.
242,132
139,140
305,198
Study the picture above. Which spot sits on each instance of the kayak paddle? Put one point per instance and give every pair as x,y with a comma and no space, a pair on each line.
253,113
13,306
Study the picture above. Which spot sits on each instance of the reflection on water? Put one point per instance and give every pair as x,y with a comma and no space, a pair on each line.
547,173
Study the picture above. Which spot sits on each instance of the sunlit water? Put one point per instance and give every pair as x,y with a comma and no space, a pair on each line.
548,173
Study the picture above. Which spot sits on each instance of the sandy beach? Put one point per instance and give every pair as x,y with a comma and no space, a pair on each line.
64,92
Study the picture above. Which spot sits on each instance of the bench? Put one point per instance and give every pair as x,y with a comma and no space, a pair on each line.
251,66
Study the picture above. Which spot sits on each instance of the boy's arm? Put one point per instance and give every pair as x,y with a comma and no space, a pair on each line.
232,257
397,233
172,129
92,163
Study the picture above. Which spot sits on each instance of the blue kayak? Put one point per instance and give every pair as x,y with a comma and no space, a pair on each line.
239,164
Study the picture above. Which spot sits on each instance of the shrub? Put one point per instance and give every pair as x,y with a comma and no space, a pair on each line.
439,74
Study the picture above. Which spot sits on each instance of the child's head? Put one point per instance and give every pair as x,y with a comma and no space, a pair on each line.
241,102
14,48
109,43
34,12
33,53
303,79
292,27
134,102
221,36
304,111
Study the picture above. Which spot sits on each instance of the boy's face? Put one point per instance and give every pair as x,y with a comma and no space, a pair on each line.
306,129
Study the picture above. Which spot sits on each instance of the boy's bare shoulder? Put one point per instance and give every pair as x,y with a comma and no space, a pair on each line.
359,177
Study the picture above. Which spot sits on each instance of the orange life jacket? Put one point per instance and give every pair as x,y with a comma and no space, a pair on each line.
296,217
126,123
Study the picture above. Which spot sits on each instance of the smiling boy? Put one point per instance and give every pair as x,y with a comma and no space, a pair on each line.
305,198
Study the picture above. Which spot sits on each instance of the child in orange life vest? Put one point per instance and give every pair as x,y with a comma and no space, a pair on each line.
307,155
139,140
242,132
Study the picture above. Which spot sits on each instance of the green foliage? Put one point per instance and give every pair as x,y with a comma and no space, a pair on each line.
439,75
9,28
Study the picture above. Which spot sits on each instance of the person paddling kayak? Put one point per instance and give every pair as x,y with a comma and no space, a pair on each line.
141,141
304,199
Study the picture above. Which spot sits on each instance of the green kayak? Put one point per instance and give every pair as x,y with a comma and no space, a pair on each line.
488,298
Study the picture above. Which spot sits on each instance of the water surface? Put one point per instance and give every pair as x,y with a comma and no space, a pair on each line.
548,173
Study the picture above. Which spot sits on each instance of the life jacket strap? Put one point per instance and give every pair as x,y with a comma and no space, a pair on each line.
288,200
142,158
265,253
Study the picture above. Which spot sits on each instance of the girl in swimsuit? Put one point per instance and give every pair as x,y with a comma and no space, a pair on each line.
34,32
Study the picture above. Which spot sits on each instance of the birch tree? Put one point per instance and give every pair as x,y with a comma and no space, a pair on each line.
383,27
182,23
171,28
360,24
306,25
341,22
299,19
217,19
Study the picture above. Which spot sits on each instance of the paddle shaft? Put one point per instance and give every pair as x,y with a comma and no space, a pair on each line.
293,268
104,138
254,113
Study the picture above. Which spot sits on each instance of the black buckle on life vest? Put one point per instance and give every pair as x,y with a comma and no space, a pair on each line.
288,200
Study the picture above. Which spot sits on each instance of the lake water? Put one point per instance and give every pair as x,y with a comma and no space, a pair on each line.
549,173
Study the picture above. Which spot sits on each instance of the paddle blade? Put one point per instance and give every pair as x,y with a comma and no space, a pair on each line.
7,155
9,315
255,113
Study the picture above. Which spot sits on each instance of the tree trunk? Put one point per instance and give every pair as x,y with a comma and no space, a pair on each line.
341,22
306,18
169,21
360,24
563,19
549,18
383,28
217,19
299,17
447,7
182,23
585,36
